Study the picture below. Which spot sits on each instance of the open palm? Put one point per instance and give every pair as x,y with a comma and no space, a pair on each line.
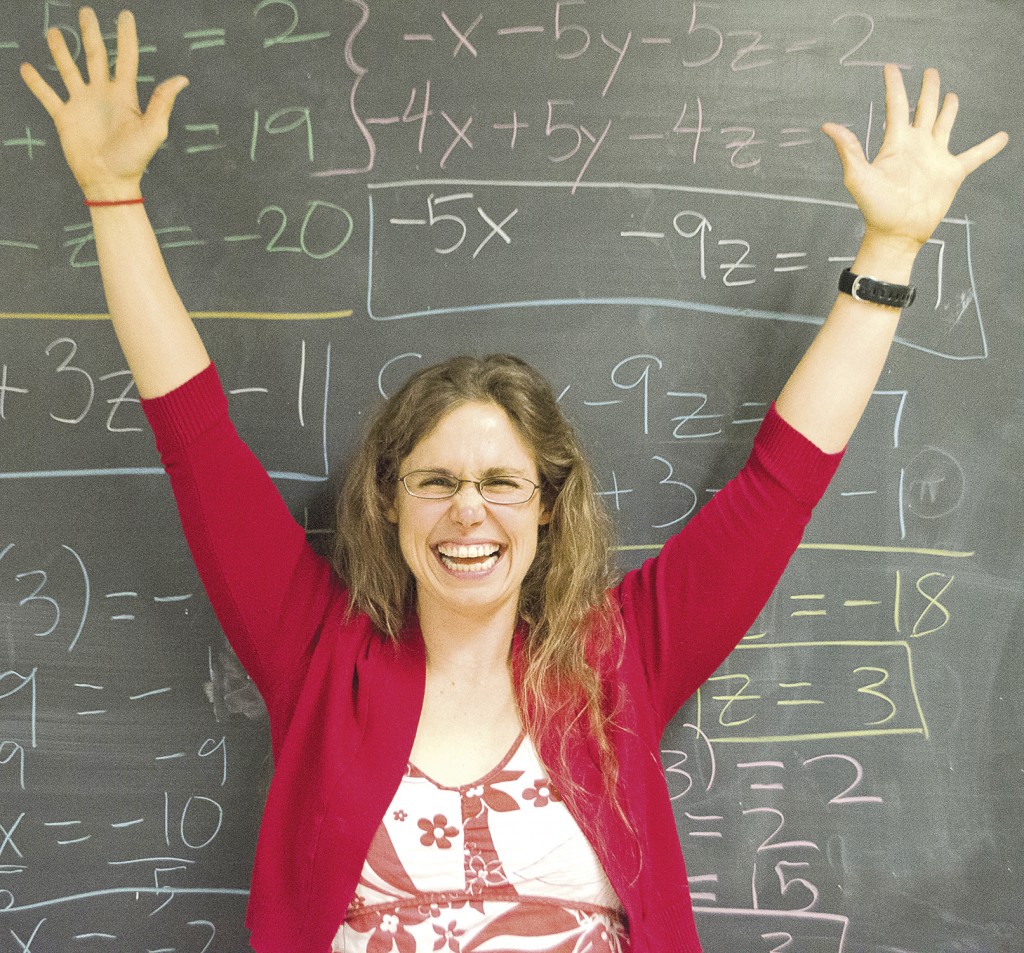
106,137
908,187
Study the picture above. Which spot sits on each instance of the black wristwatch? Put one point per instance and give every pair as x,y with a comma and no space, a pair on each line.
864,288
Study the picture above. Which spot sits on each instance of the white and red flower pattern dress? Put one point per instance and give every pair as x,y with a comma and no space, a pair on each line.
496,866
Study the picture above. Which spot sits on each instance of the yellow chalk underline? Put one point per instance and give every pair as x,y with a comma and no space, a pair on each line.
843,547
820,735
198,315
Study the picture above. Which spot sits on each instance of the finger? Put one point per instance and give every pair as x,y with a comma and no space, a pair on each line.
127,67
41,89
158,110
897,111
982,152
62,60
851,154
946,118
92,42
928,101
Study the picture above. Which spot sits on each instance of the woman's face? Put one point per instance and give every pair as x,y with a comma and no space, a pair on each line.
469,556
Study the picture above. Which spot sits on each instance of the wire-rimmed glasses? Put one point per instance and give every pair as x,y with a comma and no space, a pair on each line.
505,489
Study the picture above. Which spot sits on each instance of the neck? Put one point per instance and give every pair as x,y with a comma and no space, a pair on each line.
468,644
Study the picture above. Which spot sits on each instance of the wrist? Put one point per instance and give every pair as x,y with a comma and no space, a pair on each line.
112,192
886,257
92,203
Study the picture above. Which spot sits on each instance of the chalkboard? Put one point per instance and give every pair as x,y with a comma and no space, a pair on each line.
636,198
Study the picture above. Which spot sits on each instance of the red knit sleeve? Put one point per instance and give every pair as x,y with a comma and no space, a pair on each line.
269,590
687,608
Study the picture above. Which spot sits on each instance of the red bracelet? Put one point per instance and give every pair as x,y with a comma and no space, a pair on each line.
90,203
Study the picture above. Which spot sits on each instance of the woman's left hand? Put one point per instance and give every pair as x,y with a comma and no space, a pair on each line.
906,190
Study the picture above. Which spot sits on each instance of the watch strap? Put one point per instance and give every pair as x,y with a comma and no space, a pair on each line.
864,288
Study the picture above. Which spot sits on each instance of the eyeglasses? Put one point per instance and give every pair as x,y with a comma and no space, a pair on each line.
439,485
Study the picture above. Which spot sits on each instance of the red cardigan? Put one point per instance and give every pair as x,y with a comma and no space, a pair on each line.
344,704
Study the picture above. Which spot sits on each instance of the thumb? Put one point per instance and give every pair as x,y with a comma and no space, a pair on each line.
851,155
158,110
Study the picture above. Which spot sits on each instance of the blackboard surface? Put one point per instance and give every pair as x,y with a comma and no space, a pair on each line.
636,198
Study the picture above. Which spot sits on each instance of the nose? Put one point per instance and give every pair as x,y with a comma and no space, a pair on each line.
467,505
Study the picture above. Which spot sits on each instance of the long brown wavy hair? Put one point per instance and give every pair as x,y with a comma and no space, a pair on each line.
563,603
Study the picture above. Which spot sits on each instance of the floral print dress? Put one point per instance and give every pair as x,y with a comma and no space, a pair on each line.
497,866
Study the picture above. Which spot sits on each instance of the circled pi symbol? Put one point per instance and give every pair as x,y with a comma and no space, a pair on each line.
933,484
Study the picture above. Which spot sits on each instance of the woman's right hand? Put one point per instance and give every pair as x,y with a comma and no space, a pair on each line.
107,139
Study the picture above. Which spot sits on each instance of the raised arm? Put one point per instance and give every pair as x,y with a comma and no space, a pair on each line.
903,195
108,141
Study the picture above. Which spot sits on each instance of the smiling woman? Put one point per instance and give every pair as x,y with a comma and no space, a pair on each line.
544,563
466,709
465,538
527,436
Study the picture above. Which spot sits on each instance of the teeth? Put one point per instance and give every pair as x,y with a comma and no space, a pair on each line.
456,558
469,567
467,552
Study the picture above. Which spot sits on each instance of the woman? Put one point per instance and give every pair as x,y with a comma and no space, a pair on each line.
465,715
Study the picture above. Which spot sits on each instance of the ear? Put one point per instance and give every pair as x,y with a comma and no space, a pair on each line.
545,516
392,514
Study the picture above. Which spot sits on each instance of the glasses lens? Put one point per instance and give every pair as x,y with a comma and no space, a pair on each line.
506,490
431,484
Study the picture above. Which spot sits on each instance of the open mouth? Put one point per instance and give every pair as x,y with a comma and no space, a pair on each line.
477,558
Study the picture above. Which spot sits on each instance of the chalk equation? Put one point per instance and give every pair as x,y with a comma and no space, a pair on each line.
775,931
61,392
791,879
808,671
813,690
571,134
141,917
693,250
149,746
581,118
600,51
294,235
782,774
